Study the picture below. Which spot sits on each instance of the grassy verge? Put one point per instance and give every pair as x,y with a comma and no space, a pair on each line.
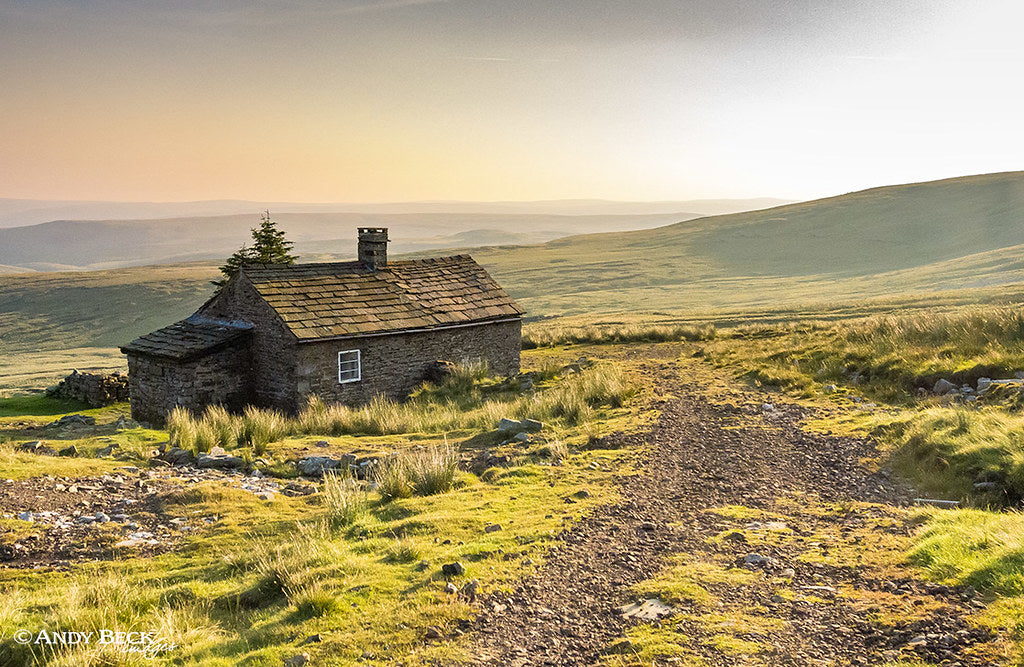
353,573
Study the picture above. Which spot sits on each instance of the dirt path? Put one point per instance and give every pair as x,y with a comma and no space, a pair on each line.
865,607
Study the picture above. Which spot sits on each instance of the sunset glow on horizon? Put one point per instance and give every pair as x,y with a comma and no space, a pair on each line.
400,100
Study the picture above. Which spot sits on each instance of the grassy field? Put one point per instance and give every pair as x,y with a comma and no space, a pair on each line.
360,564
900,242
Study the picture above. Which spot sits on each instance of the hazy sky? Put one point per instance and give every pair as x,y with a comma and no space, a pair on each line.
370,100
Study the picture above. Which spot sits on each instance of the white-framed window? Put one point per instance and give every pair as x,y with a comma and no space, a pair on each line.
349,366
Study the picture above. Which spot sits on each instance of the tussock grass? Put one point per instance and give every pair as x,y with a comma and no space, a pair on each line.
423,472
345,499
889,356
547,335
468,400
975,547
957,446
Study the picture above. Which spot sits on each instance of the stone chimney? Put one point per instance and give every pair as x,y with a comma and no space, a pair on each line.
373,247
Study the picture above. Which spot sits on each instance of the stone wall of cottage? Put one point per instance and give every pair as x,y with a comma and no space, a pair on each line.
159,385
273,346
394,365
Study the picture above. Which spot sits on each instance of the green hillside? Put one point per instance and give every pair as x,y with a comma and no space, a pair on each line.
948,234
944,235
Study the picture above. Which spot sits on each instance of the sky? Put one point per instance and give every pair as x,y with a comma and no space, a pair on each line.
404,100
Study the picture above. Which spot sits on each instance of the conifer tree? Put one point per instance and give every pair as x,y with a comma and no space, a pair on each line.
269,246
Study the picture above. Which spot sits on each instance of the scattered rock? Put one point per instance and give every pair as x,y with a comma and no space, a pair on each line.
647,610
516,426
73,420
943,387
455,569
220,460
314,466
177,456
492,528
297,660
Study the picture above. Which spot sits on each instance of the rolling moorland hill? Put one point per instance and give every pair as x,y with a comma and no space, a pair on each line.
948,234
69,245
23,212
957,233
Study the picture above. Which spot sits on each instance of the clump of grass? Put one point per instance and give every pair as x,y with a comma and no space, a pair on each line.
432,471
392,478
345,499
259,428
181,427
423,472
550,336
403,550
221,428
314,601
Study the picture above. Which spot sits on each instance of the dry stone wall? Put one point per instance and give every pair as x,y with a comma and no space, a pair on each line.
92,388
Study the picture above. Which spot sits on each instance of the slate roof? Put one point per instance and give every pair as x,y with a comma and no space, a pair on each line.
318,301
189,338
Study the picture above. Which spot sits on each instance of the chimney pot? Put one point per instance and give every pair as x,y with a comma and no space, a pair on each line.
373,247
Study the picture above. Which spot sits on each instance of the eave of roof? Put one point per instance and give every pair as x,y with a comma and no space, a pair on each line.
188,339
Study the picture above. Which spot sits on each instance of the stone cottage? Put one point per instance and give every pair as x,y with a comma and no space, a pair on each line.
275,335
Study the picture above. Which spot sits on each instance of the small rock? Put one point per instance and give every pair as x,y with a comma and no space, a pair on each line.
26,516
451,588
943,387
177,456
68,451
767,407
315,466
433,632
756,559
471,589
455,569
102,518
984,384
265,495
788,573
297,660
492,528
830,389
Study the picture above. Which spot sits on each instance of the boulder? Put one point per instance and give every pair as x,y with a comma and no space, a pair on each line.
68,451
177,456
220,461
455,569
943,387
509,425
314,466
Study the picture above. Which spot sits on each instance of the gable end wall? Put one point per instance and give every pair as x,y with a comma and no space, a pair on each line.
274,352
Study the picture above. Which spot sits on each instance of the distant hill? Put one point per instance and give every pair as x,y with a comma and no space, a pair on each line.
925,237
22,212
938,234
